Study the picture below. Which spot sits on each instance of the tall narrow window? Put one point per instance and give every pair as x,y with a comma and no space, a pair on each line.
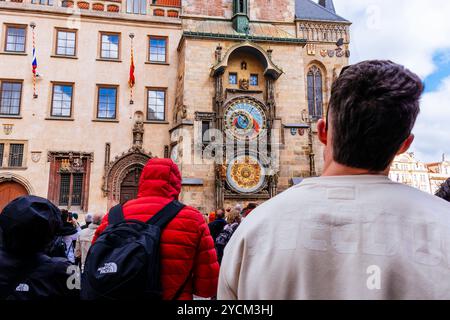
156,104
107,102
62,100
77,189
206,138
232,78
15,39
2,150
254,80
241,6
157,49
64,189
15,155
109,47
10,96
315,96
136,6
66,43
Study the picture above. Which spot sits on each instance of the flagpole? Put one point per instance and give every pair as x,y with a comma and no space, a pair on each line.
34,61
131,79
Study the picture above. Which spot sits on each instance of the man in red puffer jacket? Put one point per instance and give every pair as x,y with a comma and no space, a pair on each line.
186,244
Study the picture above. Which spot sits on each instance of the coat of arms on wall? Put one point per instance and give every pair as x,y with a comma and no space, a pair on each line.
339,53
7,129
244,84
311,49
347,53
36,156
323,52
331,53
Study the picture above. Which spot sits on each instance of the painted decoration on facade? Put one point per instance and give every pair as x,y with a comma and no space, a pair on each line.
311,49
244,119
245,174
339,53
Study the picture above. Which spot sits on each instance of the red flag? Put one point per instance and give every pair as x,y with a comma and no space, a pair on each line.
132,80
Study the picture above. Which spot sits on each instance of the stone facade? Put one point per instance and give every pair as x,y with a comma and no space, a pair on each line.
201,53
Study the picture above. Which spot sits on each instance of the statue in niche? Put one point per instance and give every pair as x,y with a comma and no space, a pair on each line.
243,65
138,131
244,84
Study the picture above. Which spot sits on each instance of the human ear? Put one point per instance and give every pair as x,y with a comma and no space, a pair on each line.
406,144
322,131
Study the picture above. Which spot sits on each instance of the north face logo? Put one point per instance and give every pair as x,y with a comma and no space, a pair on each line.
109,267
23,288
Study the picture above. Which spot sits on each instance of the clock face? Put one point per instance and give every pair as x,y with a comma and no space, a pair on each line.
244,119
245,174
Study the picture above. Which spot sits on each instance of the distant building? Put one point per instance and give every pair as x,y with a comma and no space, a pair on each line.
408,170
439,173
77,135
427,177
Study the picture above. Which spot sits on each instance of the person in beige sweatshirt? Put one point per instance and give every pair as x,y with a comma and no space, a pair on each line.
351,233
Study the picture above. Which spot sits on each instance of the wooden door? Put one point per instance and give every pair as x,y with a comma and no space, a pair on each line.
9,191
129,186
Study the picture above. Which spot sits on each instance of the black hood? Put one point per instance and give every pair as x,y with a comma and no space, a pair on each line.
28,224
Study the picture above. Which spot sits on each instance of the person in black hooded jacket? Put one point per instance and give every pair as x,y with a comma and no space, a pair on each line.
28,224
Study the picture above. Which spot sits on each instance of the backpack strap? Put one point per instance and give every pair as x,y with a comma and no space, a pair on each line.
115,215
166,214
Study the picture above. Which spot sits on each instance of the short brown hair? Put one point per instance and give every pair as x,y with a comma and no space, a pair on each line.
373,108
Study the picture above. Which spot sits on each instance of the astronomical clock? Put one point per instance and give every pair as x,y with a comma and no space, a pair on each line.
245,110
245,120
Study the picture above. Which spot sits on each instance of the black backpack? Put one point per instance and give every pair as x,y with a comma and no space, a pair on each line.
57,248
124,262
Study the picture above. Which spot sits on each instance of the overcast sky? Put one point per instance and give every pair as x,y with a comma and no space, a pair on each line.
415,33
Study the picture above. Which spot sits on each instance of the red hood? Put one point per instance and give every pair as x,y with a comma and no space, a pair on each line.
160,178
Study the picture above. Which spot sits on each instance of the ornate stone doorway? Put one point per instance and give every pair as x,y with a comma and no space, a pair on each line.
130,184
121,179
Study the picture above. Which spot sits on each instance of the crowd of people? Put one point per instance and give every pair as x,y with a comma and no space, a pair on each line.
314,241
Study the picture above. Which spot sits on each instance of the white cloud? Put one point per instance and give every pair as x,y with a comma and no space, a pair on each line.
405,31
433,124
409,32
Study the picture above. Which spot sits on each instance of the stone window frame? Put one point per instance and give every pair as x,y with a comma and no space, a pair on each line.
6,154
60,29
313,69
210,118
17,26
119,45
141,7
148,89
107,86
2,81
254,76
236,78
61,83
55,158
158,37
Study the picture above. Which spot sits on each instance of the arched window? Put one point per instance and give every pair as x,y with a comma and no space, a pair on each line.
315,97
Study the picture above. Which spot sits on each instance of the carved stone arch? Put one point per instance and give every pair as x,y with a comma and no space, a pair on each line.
271,69
322,68
12,177
118,169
